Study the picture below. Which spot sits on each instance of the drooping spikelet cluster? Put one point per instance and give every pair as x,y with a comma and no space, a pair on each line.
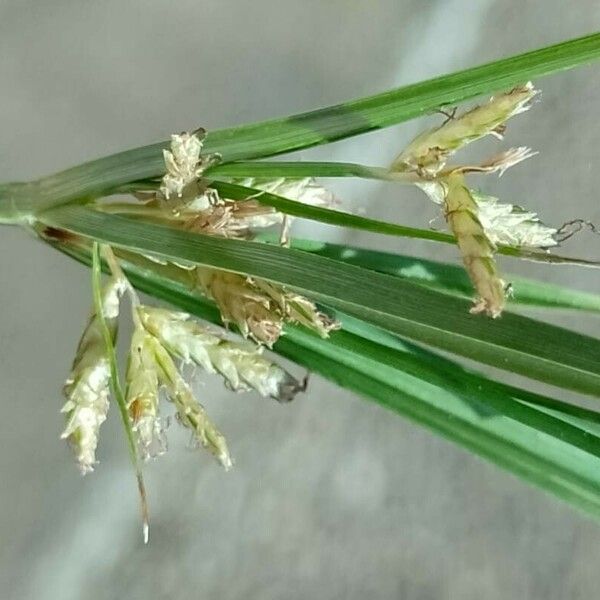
151,367
258,308
478,221
161,340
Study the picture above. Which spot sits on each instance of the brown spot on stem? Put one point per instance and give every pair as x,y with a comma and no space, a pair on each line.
60,235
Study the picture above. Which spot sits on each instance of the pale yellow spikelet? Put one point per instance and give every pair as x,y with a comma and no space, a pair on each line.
241,303
306,190
88,387
259,308
184,164
186,198
428,152
505,224
475,247
230,218
244,367
241,364
179,334
181,162
297,308
190,412
142,395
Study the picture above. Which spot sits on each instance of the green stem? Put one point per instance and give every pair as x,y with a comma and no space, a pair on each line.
291,170
115,383
20,202
13,203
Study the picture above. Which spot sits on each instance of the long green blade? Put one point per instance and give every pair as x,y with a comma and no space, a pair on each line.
295,170
349,220
326,215
540,458
325,125
515,343
382,110
338,218
445,277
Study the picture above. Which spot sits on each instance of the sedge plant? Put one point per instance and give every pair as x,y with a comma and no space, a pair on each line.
201,224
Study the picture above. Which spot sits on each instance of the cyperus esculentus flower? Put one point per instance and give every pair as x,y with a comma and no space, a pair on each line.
241,364
190,413
87,388
142,395
184,163
429,151
160,337
187,199
475,247
259,308
478,221
512,225
227,218
305,190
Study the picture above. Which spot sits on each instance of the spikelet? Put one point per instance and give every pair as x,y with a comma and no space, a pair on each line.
210,214
87,388
505,224
476,248
241,365
184,164
142,395
478,221
428,152
305,190
296,308
258,308
190,413
229,218
241,303
191,202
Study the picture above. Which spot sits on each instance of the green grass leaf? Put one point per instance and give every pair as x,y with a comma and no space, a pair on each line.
514,343
382,110
326,215
301,169
277,136
445,277
344,219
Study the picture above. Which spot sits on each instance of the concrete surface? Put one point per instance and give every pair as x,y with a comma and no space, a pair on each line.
331,496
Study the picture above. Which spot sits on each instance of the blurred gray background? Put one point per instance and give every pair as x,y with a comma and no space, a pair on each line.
331,497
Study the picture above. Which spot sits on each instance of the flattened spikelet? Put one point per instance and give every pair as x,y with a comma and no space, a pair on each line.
259,308
87,387
429,151
475,247
240,364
